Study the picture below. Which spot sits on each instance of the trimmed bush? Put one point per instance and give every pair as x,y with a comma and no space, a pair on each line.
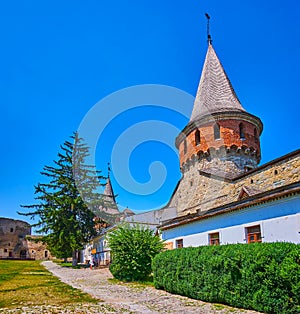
133,248
259,276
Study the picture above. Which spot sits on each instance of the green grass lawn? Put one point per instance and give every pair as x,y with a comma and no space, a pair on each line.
25,283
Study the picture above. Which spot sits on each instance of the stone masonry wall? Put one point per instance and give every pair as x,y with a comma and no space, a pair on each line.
199,192
12,235
15,241
37,250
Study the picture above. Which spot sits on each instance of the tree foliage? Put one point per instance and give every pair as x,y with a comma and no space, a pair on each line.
67,201
133,248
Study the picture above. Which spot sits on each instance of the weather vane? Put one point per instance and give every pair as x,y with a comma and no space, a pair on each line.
209,40
108,169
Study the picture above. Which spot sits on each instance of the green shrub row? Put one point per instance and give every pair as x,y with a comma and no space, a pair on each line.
259,276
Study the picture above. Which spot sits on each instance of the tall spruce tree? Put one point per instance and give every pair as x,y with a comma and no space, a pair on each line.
67,201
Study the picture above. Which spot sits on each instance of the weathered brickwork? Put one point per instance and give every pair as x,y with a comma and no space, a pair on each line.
197,191
12,237
15,241
37,250
229,137
232,161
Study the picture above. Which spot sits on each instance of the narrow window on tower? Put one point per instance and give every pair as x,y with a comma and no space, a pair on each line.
184,147
242,131
255,136
217,131
197,137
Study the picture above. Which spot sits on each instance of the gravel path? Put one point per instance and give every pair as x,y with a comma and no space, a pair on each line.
119,298
129,298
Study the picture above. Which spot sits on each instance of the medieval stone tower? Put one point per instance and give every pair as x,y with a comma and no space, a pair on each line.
220,142
220,132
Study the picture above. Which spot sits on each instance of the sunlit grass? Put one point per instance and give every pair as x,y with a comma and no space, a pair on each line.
29,283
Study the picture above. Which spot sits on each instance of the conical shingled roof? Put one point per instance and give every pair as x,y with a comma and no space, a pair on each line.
108,191
215,92
110,205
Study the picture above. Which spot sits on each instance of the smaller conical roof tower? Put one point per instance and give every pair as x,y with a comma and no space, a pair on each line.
108,191
221,137
109,199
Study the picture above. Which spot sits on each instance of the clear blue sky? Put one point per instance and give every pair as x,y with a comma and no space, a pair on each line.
59,58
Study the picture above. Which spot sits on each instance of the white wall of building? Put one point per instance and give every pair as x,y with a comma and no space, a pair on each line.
284,228
279,221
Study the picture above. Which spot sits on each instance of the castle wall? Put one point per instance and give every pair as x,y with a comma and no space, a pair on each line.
38,250
12,237
199,192
15,241
195,191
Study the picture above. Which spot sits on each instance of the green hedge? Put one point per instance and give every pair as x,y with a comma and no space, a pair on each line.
260,276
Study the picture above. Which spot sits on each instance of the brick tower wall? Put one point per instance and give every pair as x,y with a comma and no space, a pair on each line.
229,138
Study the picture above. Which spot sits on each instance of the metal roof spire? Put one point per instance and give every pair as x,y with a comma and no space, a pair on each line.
209,40
108,191
108,169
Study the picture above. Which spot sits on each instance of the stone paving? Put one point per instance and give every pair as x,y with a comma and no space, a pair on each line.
134,299
120,298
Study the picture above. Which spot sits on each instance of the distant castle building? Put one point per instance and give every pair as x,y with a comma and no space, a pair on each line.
16,241
106,217
108,212
110,205
13,238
